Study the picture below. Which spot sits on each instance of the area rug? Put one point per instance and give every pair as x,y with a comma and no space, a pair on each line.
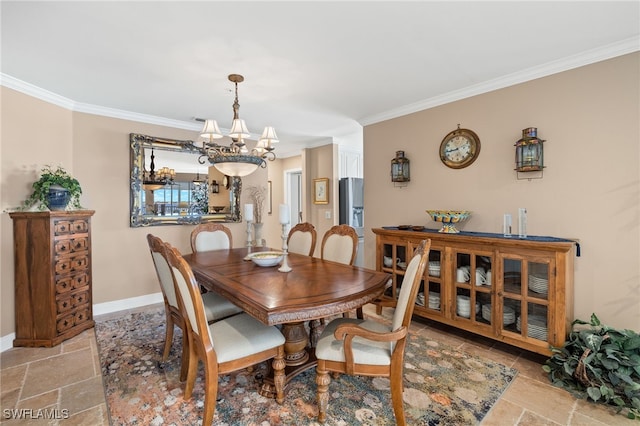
443,386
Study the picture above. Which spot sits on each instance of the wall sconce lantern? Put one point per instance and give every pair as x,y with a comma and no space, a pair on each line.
530,153
215,188
400,168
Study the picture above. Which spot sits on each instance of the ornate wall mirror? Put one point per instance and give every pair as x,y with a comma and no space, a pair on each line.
170,187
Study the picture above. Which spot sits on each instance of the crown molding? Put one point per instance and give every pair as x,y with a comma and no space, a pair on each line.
134,116
55,99
613,50
35,91
588,57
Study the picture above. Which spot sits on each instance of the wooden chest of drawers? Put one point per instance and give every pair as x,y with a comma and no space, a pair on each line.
53,299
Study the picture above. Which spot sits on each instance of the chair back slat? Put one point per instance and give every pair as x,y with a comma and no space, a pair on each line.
210,236
166,280
156,245
340,244
189,293
410,286
302,239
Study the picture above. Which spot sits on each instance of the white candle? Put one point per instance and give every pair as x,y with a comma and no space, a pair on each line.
248,212
284,214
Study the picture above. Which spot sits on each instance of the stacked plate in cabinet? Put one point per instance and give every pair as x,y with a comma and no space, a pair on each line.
463,306
536,326
508,314
434,268
538,284
434,300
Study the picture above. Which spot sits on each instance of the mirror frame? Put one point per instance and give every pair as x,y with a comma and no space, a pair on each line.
138,143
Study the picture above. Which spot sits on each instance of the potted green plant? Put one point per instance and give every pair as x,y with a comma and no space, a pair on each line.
601,364
53,183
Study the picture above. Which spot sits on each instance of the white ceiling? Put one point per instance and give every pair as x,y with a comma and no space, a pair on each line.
313,70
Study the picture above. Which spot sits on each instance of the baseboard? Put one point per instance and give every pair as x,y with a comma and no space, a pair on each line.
124,304
6,342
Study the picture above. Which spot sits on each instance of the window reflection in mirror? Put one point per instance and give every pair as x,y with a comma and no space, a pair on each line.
187,198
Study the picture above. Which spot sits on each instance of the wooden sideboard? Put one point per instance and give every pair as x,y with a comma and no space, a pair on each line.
527,302
53,300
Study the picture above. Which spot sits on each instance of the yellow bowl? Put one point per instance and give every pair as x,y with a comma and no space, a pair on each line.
448,218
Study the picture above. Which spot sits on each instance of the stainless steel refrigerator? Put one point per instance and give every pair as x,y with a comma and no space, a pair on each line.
351,197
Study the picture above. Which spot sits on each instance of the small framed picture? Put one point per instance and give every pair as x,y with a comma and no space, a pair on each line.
321,191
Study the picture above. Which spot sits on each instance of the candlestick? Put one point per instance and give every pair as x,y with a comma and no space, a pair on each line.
248,212
284,214
285,266
249,243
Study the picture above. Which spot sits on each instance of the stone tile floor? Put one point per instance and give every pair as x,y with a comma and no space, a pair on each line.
65,383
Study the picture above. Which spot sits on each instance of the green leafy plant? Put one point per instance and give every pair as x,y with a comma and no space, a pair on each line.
601,364
49,177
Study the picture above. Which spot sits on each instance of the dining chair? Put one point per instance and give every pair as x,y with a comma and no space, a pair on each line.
370,348
210,236
340,244
302,239
215,306
224,346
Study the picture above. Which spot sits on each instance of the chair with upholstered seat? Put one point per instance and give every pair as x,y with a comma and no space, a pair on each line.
370,348
224,346
302,239
340,244
210,236
215,306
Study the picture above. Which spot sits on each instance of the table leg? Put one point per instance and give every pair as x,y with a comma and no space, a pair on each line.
315,326
298,357
295,345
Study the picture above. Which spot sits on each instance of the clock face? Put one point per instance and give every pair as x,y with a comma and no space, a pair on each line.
459,148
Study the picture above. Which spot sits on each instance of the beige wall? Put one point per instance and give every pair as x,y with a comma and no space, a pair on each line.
321,162
590,189
34,133
96,150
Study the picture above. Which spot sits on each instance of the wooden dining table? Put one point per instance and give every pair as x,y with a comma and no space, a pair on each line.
314,289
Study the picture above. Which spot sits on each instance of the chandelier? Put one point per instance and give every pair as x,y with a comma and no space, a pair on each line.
236,159
153,180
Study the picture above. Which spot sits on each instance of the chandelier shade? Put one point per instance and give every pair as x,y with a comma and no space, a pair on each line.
236,159
211,130
239,129
153,180
237,165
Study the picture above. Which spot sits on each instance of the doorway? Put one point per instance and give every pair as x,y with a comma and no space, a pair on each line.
293,195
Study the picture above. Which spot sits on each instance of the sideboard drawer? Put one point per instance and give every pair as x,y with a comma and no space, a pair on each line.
68,302
71,245
78,226
65,323
65,265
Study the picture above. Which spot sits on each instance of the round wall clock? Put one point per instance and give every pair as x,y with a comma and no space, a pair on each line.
459,148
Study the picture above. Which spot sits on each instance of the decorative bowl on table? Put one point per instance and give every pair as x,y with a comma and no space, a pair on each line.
266,258
449,218
217,209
